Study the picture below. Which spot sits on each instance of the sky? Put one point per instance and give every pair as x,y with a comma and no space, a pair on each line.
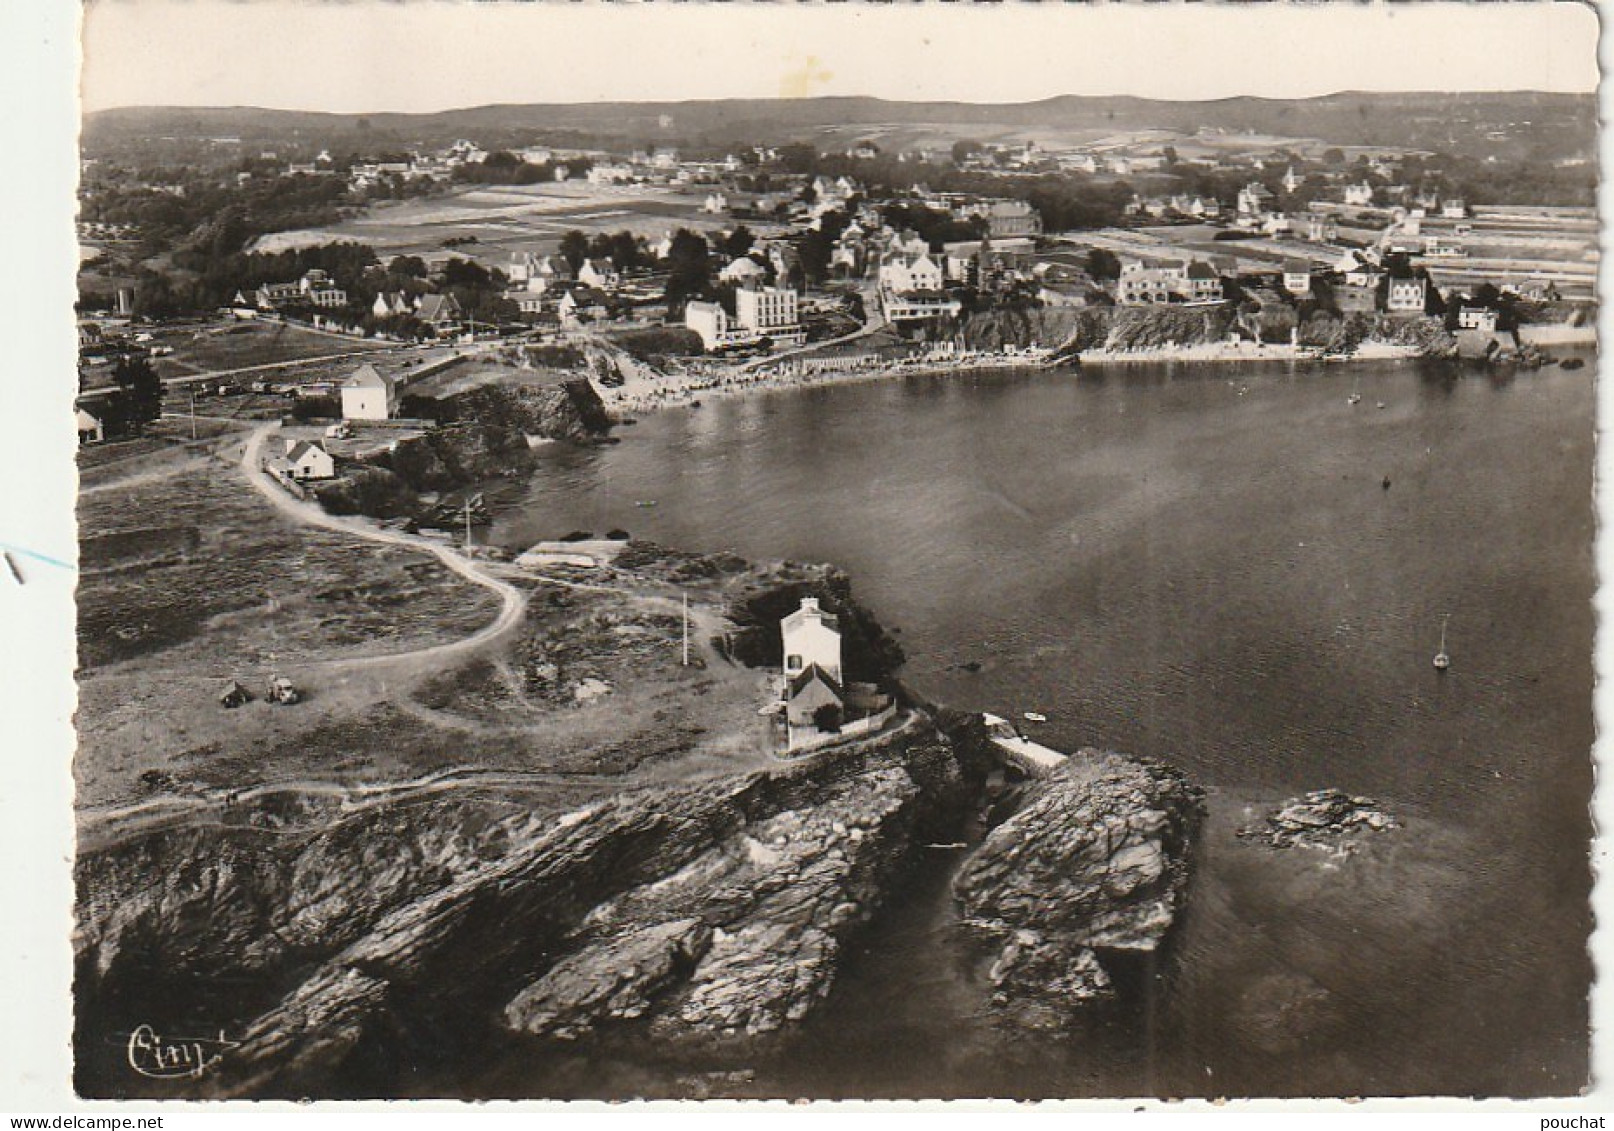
423,55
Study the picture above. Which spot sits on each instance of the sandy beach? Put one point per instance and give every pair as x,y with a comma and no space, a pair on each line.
641,392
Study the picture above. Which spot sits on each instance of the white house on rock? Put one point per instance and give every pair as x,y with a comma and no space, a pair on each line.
812,640
811,637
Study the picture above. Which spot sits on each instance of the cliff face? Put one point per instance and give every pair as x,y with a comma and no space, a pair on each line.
485,432
1094,863
704,918
1071,331
489,430
706,912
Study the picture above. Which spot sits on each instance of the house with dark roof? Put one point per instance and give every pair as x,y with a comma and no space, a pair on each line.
1297,276
809,692
441,312
601,273
303,461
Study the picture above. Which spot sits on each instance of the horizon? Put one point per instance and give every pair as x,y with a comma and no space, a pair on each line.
472,108
376,57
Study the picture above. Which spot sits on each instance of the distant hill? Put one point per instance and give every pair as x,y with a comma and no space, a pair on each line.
1554,124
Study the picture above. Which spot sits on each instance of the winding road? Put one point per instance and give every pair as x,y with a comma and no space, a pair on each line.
514,602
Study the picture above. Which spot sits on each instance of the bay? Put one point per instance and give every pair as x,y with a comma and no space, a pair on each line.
1236,571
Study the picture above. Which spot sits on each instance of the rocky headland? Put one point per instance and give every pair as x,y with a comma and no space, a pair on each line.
1094,865
343,950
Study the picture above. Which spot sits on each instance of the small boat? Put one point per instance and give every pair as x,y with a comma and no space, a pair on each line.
1354,398
645,503
1571,363
1035,717
1381,404
1442,660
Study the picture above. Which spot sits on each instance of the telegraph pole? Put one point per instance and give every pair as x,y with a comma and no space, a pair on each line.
686,630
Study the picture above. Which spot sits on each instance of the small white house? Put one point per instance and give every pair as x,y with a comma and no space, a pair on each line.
91,429
1359,195
1297,277
308,461
369,394
1476,318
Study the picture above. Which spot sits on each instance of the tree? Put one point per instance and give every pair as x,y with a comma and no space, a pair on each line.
965,148
627,250
140,392
574,248
739,241
689,266
1103,264
827,717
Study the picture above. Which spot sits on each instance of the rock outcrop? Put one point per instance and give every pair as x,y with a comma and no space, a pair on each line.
484,432
741,941
1095,862
1326,819
699,913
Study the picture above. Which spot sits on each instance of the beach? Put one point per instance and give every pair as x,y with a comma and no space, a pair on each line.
644,390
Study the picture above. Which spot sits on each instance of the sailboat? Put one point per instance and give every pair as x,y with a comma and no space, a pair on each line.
1356,393
1443,661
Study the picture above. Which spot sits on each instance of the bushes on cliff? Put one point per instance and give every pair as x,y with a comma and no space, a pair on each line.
366,490
868,652
1426,334
1152,327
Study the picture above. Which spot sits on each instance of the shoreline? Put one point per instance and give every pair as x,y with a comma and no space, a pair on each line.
640,395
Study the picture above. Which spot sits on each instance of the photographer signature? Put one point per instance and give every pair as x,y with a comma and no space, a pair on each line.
169,1058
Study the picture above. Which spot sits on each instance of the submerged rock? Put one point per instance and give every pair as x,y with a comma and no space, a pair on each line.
1095,861
1327,819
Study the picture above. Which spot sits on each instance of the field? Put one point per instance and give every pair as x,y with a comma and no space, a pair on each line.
251,343
190,579
514,218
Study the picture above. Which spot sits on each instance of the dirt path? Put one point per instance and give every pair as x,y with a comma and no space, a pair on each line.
514,602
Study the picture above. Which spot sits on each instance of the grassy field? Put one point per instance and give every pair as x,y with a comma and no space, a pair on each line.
251,343
513,218
189,579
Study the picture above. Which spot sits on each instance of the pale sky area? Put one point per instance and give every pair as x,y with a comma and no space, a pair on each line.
370,55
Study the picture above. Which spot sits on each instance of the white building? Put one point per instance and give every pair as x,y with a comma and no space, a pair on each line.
308,461
811,637
91,429
904,275
389,304
1360,195
769,312
369,394
711,322
1406,295
742,270
600,273
1297,277
1476,318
